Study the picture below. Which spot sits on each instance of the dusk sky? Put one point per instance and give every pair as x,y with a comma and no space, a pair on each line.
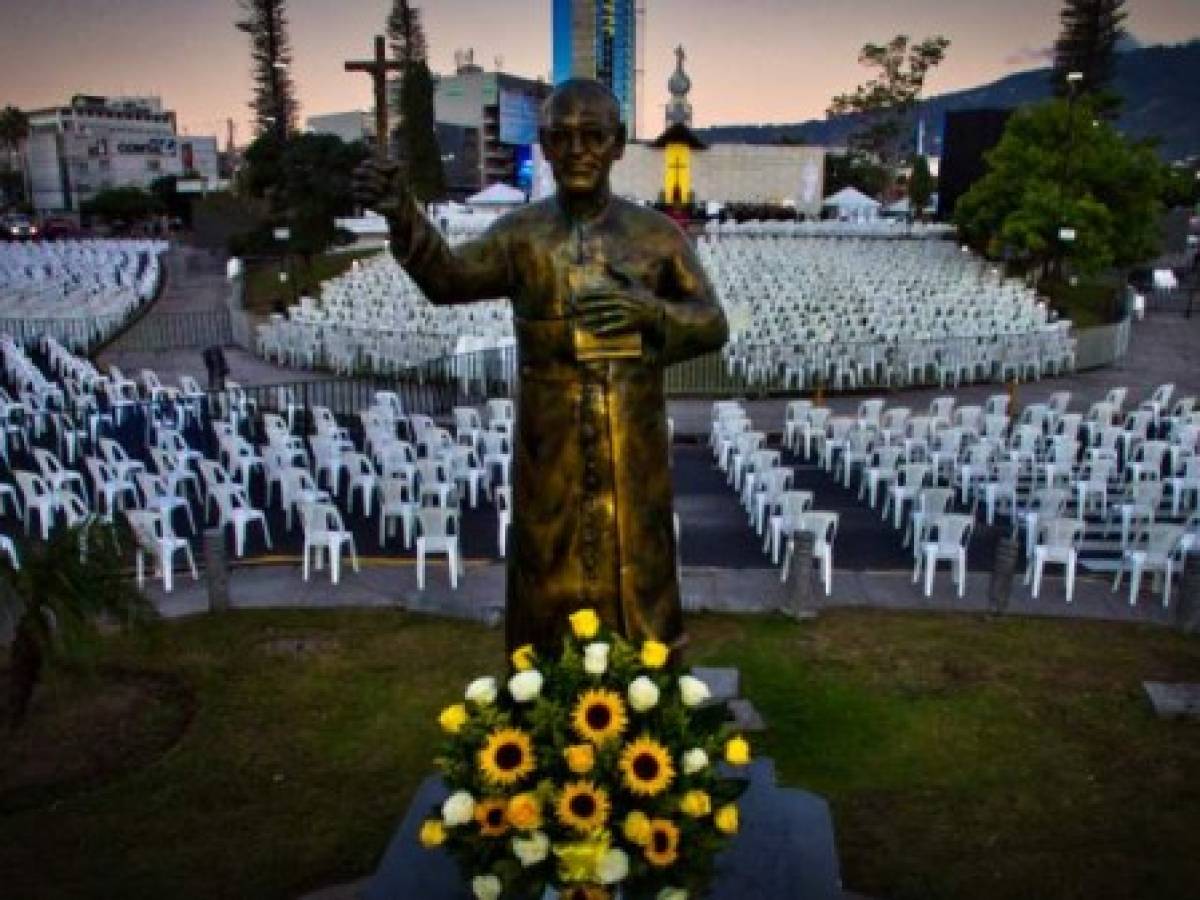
750,60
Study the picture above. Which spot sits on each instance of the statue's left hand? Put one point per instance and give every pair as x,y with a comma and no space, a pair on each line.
624,307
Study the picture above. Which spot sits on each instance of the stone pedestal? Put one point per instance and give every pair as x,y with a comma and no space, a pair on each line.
785,850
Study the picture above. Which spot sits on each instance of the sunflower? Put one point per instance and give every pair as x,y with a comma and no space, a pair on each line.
583,806
585,892
663,847
646,766
599,716
492,816
506,756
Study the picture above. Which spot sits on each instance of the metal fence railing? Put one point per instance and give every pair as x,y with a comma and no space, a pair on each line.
78,333
178,331
1101,345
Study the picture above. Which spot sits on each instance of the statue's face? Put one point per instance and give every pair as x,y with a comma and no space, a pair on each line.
582,140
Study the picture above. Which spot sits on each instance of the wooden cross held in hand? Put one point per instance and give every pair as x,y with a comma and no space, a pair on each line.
378,69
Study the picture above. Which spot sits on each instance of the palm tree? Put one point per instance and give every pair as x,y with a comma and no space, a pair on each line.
65,587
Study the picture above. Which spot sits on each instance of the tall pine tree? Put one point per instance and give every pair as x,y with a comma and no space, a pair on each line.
415,135
1087,44
274,102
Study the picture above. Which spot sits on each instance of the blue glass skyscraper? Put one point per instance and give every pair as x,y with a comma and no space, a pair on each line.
598,39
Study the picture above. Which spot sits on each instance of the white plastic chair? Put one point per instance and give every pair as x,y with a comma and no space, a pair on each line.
297,490
784,523
953,534
153,539
503,516
36,494
1057,542
398,501
158,499
7,546
60,478
236,512
1159,549
324,531
438,533
824,527
363,479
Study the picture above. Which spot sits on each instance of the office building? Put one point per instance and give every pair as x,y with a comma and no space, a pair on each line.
499,113
95,143
600,39
358,125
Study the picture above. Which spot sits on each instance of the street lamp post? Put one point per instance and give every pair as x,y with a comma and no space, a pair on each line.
1066,234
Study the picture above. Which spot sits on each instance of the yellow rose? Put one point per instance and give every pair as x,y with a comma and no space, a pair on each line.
522,658
695,804
580,758
737,751
726,818
432,833
585,624
453,718
637,828
654,654
525,812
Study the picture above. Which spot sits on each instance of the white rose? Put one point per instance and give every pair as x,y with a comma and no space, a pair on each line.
693,691
531,850
595,658
458,809
672,893
614,867
486,887
643,693
524,686
695,760
482,691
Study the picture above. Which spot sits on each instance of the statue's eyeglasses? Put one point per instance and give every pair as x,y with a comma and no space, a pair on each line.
589,137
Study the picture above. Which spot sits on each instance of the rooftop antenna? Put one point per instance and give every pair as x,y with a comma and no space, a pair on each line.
499,63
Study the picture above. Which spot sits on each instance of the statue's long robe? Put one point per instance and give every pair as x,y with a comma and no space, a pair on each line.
592,500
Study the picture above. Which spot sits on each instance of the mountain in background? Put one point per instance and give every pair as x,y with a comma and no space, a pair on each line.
1160,87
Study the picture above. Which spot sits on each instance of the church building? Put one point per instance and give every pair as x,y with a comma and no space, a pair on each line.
679,168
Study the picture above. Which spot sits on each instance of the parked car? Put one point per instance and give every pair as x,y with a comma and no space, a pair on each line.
17,227
57,227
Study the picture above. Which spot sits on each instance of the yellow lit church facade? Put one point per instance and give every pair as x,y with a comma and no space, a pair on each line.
679,169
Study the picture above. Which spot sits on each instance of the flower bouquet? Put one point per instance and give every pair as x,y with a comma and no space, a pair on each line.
593,773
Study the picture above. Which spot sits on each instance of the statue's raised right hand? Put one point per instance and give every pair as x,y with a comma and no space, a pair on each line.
379,185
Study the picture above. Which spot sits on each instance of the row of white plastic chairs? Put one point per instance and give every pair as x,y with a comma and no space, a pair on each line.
1033,472
76,291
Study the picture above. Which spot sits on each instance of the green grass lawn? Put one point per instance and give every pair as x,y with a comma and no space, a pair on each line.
265,292
962,757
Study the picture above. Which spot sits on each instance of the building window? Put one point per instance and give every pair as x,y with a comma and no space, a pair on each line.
153,165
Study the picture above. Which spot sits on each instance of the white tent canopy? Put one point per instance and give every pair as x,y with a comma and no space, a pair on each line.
497,195
852,204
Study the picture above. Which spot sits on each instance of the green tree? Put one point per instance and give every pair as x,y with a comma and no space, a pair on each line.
854,169
176,205
885,102
274,102
124,204
1057,166
65,588
304,183
920,187
14,129
415,136
1087,44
